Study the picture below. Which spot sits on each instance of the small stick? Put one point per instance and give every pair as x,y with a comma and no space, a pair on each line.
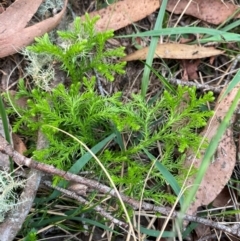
205,87
21,160
97,208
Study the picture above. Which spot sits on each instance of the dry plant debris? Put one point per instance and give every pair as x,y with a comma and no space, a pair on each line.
123,13
24,161
211,11
223,163
14,35
175,51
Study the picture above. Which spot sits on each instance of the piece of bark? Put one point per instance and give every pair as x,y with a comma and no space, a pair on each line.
14,221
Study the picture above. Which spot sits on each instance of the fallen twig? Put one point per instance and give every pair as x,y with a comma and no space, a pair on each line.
97,208
21,160
13,223
205,87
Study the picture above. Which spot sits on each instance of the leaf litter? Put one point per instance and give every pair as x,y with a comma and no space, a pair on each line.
123,13
14,35
223,163
175,51
211,11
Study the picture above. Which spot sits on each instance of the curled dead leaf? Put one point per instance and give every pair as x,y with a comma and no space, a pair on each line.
16,16
14,36
220,170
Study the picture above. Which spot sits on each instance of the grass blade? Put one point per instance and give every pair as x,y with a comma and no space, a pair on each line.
152,48
217,35
232,84
4,118
155,233
167,176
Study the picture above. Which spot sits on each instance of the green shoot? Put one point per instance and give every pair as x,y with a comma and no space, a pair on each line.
80,51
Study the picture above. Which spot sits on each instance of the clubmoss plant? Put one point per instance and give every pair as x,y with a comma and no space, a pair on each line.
164,126
81,51
91,117
31,236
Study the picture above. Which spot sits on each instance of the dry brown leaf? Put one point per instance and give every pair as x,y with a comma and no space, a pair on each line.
211,11
123,13
17,16
17,38
175,51
78,188
2,9
219,171
202,231
223,199
18,144
190,68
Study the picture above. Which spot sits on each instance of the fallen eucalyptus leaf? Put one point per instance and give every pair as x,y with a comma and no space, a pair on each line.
175,51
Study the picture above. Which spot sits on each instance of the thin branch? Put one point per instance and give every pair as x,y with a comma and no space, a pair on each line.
97,208
21,160
216,89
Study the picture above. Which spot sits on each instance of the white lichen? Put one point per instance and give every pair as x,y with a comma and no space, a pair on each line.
8,195
50,5
40,68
